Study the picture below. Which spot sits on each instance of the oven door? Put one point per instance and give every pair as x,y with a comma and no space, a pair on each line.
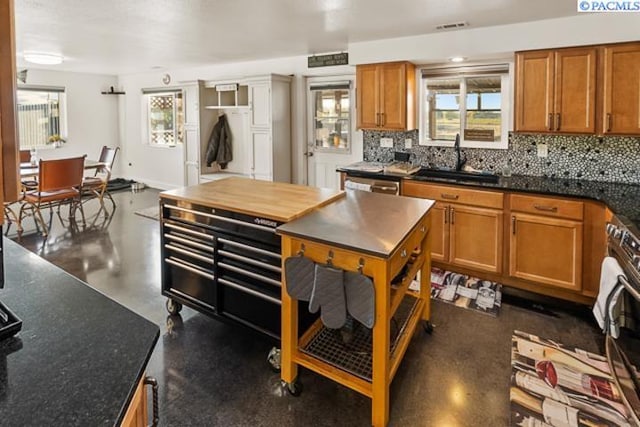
373,185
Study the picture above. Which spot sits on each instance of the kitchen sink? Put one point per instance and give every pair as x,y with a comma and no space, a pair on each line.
458,175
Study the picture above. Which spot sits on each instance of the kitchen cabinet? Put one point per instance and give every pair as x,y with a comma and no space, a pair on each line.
556,90
546,240
467,225
621,89
386,96
137,413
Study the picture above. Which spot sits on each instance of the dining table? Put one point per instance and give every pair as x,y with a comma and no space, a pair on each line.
29,170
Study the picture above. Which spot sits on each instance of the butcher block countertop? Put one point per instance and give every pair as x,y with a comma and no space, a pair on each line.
274,200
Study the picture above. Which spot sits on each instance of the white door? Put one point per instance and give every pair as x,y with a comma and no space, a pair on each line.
261,156
332,140
191,135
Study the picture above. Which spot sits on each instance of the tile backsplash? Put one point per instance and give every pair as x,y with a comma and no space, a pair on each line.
612,159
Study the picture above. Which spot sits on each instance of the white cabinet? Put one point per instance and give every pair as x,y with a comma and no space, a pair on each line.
259,117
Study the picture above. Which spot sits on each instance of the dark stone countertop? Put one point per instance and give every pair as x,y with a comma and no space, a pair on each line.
79,355
622,199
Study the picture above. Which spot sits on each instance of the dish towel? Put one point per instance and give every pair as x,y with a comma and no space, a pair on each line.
607,309
350,185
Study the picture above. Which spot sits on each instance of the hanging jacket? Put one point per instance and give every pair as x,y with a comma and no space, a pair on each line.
219,148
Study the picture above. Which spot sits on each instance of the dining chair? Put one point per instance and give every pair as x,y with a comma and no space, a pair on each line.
59,182
28,184
96,185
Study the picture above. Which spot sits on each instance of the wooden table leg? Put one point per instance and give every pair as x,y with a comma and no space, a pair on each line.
289,324
381,345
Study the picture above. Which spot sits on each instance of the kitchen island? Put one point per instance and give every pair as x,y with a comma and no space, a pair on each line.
80,357
384,238
220,253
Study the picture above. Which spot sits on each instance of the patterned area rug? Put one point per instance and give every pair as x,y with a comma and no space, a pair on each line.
556,386
152,212
464,291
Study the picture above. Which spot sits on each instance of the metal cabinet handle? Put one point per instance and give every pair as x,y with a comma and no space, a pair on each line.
550,121
403,253
557,121
249,248
154,393
423,229
185,252
609,121
453,213
513,225
384,119
546,208
189,267
249,291
377,119
446,214
449,196
248,273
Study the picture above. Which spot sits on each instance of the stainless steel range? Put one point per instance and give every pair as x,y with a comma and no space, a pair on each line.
623,354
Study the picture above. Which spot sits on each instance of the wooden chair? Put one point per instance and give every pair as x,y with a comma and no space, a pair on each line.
25,156
96,186
27,184
59,182
10,215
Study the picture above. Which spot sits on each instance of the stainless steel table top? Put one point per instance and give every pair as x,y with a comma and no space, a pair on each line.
371,223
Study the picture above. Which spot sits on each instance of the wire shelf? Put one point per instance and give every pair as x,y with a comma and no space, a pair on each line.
350,348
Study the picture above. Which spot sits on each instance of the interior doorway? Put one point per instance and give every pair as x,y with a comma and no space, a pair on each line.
332,139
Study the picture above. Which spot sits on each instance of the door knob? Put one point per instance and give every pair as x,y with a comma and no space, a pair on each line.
309,154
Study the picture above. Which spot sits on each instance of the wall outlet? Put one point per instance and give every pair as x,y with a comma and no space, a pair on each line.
386,142
408,142
543,150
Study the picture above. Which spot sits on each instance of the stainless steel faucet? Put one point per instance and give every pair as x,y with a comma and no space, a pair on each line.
461,158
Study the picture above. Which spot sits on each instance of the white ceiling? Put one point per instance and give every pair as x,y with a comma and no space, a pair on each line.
125,36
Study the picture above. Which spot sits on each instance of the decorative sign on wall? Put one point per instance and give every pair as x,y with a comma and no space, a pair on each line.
329,60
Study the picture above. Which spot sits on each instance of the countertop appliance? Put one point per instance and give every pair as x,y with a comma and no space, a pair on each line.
623,243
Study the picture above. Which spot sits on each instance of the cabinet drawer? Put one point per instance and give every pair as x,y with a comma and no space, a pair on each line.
412,242
454,194
548,206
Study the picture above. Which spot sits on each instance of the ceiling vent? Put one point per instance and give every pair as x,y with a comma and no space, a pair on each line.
452,26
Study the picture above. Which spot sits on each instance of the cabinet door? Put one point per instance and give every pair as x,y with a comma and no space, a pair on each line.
534,91
440,232
622,89
546,250
393,96
367,99
575,90
476,238
136,415
260,101
261,156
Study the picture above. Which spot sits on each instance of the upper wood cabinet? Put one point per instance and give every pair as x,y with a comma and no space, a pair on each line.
621,89
556,91
386,96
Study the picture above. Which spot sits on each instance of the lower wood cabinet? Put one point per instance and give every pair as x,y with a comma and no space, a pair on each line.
546,250
467,234
545,244
136,415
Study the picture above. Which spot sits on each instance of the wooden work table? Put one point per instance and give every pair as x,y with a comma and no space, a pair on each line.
275,200
379,235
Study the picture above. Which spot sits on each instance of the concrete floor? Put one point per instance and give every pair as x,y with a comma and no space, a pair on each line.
216,374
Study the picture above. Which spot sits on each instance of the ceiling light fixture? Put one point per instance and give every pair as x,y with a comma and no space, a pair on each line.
43,58
457,59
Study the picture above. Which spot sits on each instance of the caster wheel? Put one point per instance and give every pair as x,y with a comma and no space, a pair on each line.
294,388
428,327
173,307
274,359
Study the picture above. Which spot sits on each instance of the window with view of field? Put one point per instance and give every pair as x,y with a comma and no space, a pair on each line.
475,107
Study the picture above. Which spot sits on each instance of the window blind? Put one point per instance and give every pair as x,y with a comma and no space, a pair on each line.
468,70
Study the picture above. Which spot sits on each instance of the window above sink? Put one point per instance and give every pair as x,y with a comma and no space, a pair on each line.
474,101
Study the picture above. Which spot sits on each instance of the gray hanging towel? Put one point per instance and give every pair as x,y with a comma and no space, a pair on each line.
299,272
219,149
328,296
361,298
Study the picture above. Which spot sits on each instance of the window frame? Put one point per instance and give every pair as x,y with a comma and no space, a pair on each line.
506,91
62,114
146,108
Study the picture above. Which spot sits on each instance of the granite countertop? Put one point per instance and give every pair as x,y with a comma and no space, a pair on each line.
79,355
622,199
355,222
